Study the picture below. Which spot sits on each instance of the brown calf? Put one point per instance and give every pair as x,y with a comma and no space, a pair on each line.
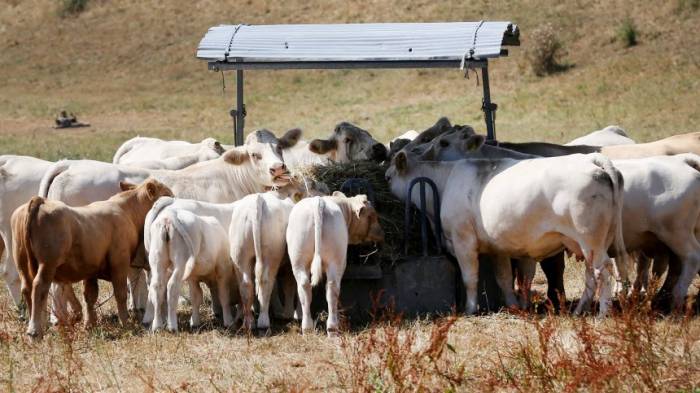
59,243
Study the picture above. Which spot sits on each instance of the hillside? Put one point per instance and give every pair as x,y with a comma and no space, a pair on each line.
128,68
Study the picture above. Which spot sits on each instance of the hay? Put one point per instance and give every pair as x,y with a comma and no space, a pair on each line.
389,208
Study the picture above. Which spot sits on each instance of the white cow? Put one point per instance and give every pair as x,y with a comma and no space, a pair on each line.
524,209
172,163
257,248
318,234
20,177
187,247
138,150
608,136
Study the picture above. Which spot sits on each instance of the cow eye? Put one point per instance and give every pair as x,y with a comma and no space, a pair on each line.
348,140
257,156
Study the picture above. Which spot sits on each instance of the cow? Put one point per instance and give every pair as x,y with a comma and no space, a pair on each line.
318,234
608,136
239,172
400,141
172,163
347,143
192,248
258,254
20,177
662,201
56,242
529,208
138,150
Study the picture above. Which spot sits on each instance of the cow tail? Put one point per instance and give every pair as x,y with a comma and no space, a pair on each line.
32,211
621,256
158,207
176,226
50,175
125,148
257,242
316,262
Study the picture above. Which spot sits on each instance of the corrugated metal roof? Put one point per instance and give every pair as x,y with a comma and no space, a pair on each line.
370,42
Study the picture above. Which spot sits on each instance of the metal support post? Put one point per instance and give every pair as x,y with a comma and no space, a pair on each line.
488,107
239,113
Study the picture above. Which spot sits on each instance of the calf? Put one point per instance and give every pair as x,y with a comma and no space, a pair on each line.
318,235
263,251
56,242
187,247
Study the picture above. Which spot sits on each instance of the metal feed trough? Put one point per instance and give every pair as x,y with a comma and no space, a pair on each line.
418,285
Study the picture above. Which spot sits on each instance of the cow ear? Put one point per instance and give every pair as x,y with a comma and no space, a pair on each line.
401,162
124,186
443,125
474,142
297,196
236,156
290,138
151,191
338,194
323,146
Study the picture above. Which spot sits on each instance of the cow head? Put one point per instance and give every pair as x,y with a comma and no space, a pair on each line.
301,187
440,127
349,143
460,143
262,160
364,223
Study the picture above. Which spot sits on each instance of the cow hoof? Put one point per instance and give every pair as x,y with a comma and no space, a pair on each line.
333,333
33,334
263,332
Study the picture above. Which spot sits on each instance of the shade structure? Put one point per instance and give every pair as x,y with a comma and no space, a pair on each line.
357,45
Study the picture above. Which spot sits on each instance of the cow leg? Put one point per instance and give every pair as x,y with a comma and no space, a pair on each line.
150,308
641,283
553,268
265,282
156,295
504,278
90,292
73,302
216,307
223,283
526,273
587,296
59,303
468,260
334,274
605,277
9,271
173,296
137,289
302,276
690,267
40,292
245,286
196,295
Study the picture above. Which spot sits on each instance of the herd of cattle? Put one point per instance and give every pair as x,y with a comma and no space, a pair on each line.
240,219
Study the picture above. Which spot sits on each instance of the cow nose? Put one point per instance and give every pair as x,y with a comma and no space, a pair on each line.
379,152
279,167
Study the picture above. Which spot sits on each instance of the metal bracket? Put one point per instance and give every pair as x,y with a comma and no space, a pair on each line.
422,181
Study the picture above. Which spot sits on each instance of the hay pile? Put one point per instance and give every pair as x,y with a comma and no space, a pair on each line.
389,207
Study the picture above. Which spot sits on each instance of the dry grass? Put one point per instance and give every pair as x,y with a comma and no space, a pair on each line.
128,68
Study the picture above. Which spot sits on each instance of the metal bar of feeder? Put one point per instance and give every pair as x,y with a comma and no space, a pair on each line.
487,105
240,110
307,65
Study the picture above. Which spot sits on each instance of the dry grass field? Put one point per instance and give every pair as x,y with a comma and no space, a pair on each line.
128,68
